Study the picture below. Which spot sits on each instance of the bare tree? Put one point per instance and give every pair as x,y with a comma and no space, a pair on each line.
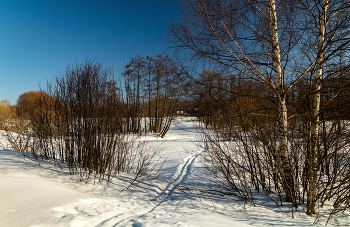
158,79
327,36
135,69
243,36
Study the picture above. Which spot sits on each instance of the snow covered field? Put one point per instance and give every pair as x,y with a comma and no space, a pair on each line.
43,195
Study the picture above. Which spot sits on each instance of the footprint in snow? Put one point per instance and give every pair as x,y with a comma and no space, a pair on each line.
136,224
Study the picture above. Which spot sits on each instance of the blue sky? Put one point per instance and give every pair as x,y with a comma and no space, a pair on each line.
38,38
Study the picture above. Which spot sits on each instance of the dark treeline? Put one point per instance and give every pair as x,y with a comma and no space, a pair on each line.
219,100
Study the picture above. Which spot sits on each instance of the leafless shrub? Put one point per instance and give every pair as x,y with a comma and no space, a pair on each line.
79,120
242,159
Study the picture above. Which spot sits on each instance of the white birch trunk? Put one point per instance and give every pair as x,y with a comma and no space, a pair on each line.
287,178
315,121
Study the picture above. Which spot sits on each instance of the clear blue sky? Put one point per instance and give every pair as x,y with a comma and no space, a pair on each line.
38,38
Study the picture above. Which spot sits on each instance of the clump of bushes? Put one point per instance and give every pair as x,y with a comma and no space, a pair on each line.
78,119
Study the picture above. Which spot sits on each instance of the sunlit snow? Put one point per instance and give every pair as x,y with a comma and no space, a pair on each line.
43,195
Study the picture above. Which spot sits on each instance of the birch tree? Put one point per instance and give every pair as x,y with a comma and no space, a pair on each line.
255,39
329,30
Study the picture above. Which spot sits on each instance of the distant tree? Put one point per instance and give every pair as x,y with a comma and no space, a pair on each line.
26,103
6,112
135,71
152,88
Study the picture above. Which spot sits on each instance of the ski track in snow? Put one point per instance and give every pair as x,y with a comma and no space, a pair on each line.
183,170
119,212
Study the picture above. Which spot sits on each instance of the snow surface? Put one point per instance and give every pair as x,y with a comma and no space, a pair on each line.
43,195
